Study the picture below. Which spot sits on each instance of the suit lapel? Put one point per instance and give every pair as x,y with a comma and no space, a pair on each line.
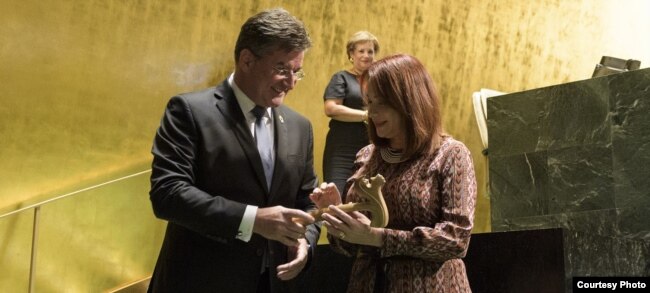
229,107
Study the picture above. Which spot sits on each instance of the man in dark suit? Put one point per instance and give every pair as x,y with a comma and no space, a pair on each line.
235,203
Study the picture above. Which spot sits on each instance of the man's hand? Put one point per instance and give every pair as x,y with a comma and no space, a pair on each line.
298,256
275,223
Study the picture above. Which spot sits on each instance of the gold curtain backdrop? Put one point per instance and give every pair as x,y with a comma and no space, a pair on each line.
84,84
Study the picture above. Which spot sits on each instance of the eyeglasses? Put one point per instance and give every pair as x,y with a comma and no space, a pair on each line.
298,75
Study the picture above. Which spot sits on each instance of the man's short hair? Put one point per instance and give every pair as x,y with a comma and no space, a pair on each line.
271,30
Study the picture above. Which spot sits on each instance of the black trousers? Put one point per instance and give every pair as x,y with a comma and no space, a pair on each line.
263,285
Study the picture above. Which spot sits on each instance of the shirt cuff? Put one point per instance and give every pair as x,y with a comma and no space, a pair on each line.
245,230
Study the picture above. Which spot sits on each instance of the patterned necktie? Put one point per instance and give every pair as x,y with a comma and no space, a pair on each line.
264,143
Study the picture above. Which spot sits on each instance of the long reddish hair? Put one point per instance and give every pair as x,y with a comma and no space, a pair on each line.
405,85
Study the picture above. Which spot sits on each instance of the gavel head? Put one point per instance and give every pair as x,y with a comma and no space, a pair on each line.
373,199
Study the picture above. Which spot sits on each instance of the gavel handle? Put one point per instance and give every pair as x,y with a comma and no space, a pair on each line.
348,207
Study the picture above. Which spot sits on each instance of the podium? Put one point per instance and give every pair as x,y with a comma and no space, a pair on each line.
516,261
576,156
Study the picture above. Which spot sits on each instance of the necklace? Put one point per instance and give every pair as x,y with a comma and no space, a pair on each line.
391,156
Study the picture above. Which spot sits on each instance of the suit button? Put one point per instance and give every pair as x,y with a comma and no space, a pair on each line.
260,252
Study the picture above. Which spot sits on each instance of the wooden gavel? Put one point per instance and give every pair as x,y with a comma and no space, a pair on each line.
373,201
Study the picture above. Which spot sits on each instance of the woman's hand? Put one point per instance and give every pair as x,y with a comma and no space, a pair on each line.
352,227
325,195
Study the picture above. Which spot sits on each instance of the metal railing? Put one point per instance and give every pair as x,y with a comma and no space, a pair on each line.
37,209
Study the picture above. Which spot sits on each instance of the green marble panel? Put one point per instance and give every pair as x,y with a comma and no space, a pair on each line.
634,222
519,185
580,179
516,124
630,110
575,156
577,114
602,222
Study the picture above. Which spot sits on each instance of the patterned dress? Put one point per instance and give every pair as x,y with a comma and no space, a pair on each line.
431,202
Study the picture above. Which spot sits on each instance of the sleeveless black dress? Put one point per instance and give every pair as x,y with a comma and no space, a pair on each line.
344,139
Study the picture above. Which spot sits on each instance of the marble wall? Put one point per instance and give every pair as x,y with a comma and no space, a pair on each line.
576,156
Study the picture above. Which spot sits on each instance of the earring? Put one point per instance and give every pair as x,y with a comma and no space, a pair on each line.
351,60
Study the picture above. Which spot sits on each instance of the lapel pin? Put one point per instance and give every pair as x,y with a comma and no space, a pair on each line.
281,119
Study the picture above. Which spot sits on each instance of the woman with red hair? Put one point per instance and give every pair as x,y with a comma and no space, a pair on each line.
430,189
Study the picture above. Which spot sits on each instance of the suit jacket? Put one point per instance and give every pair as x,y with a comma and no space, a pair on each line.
205,170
